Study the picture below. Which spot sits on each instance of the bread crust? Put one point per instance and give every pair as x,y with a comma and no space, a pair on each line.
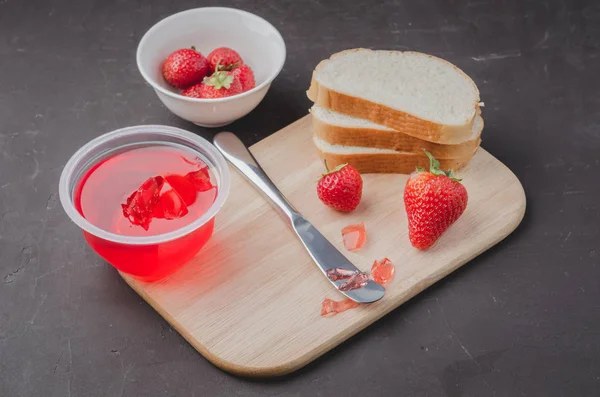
390,163
394,140
384,115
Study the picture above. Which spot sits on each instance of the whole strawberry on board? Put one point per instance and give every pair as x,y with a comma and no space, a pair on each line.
224,58
434,200
340,188
185,67
219,85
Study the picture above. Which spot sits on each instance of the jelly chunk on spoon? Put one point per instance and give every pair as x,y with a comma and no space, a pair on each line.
357,281
339,273
382,272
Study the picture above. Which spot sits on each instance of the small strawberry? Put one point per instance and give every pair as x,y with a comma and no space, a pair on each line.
340,188
185,67
219,85
224,58
434,200
245,75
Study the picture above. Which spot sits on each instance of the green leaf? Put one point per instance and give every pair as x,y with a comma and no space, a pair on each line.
434,168
434,165
227,68
219,80
451,175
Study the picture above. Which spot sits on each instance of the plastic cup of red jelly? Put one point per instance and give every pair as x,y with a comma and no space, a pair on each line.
152,257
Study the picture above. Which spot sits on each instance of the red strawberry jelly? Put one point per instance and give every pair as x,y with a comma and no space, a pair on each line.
147,191
354,236
330,307
382,271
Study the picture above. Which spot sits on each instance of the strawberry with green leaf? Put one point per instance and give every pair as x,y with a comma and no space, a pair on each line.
220,85
224,58
185,67
434,200
340,188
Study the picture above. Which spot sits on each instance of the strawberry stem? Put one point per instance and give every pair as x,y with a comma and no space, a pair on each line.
333,171
229,68
434,168
193,48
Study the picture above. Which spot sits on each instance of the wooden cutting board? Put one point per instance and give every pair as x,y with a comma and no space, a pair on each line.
250,301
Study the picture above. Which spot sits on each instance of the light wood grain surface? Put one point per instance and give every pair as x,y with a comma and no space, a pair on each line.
250,301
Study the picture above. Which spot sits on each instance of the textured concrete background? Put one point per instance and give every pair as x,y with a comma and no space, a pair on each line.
522,319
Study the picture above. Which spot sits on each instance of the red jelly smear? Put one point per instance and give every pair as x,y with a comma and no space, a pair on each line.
330,307
147,191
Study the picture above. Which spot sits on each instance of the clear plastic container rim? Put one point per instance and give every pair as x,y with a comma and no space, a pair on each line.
72,172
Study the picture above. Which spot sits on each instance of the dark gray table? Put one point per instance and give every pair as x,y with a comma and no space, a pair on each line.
522,319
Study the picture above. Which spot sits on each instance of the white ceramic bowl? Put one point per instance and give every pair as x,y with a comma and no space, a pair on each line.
259,44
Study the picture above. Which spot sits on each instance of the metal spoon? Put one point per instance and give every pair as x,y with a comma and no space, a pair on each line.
323,253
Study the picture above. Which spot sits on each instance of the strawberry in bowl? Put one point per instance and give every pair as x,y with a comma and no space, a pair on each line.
245,75
185,67
236,41
221,75
219,85
224,58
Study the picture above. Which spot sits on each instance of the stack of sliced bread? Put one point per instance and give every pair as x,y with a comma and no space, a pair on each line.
379,110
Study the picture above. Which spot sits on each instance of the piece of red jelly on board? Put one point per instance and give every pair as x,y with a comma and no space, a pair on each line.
200,179
140,205
382,271
331,307
354,236
170,203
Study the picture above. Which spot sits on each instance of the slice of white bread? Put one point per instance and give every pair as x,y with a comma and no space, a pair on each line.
341,129
417,94
383,161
